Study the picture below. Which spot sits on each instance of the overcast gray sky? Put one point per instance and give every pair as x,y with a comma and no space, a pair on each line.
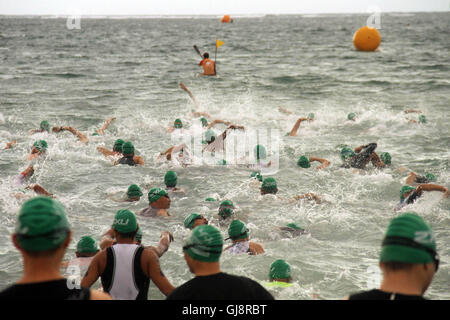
214,7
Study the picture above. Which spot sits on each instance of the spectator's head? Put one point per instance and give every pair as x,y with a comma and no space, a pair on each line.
409,247
42,229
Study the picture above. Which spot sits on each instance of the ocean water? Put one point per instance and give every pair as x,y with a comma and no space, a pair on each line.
130,69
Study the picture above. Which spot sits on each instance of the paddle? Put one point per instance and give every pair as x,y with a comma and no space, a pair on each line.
182,86
198,51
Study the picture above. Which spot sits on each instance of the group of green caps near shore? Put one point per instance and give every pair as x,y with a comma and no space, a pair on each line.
42,225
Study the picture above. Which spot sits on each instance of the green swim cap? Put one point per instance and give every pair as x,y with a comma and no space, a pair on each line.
351,116
385,157
237,230
128,148
170,179
41,145
405,189
257,175
260,152
87,245
204,244
156,193
210,199
310,116
178,124
294,226
280,269
303,162
139,235
269,185
226,209
431,177
204,122
134,191
346,153
210,136
41,224
45,125
190,220
118,145
222,162
125,222
422,119
408,239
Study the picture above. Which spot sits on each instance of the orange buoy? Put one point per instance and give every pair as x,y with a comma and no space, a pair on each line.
366,39
226,18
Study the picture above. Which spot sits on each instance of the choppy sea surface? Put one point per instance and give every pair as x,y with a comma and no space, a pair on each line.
130,69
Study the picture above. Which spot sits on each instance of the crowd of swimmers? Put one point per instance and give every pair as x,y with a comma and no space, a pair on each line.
125,266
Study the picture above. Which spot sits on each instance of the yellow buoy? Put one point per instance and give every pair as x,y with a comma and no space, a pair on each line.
366,39
226,18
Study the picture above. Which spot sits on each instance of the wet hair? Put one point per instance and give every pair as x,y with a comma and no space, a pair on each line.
129,235
206,55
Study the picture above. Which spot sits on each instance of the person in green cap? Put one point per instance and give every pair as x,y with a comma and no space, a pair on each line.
257,175
260,155
43,127
129,157
126,268
134,193
414,178
202,251
409,194
351,116
39,148
87,248
170,180
422,120
293,229
108,240
408,260
159,203
361,156
305,162
294,129
194,220
75,132
42,235
177,125
116,151
226,209
269,186
279,274
238,233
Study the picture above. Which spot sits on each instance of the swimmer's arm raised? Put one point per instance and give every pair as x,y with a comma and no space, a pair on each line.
106,152
75,132
107,239
432,187
164,242
106,125
296,126
39,190
214,122
324,163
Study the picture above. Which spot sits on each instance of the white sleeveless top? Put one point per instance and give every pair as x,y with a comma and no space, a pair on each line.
124,286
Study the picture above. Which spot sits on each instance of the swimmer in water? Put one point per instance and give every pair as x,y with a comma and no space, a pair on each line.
305,162
217,144
351,116
87,248
101,131
194,220
293,229
43,127
238,233
75,132
226,210
409,195
178,154
414,178
39,148
269,186
209,66
294,129
170,180
116,151
129,157
361,156
159,203
177,124
280,274
422,120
